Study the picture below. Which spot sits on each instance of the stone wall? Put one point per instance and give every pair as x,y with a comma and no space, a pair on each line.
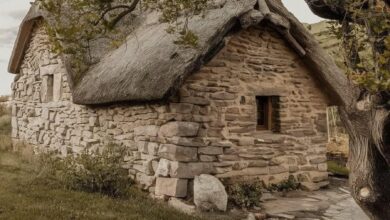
209,127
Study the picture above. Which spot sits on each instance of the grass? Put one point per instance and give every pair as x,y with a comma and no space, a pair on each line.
337,169
5,128
25,194
22,196
4,98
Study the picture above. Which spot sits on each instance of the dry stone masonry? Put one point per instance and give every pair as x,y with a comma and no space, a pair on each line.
208,127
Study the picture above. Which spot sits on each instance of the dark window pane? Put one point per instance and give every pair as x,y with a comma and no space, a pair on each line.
262,111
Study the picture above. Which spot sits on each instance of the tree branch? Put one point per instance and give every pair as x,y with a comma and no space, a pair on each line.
119,17
109,10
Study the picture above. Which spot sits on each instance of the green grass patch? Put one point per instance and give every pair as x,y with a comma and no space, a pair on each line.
337,169
22,197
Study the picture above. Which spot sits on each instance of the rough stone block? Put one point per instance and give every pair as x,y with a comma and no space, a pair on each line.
188,142
183,108
318,176
171,187
178,153
195,100
223,96
207,158
277,169
149,130
153,149
211,150
253,171
190,170
142,147
318,160
180,129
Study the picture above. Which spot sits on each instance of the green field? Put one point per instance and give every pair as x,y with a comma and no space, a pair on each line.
24,196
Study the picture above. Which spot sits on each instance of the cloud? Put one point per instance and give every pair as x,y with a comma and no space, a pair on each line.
7,36
16,14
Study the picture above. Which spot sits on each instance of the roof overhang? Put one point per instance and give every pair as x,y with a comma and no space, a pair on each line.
23,39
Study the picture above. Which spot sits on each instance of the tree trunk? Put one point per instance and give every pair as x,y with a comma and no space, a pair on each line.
369,178
366,118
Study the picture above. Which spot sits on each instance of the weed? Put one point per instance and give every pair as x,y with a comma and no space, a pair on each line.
245,195
290,184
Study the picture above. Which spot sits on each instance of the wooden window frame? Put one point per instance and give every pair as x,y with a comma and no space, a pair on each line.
267,114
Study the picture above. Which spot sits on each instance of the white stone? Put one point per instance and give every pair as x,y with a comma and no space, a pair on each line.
209,193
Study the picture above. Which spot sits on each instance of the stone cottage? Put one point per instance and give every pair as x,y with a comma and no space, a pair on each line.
247,104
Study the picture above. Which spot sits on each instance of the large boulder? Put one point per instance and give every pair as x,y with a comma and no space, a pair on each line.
209,193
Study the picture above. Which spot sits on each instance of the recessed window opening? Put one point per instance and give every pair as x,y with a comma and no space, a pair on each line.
266,112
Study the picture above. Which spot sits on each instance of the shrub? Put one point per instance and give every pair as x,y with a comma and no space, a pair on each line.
97,172
245,195
290,184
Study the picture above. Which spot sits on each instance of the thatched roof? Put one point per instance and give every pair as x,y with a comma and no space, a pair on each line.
150,66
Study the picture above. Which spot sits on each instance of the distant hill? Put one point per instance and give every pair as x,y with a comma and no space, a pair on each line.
327,40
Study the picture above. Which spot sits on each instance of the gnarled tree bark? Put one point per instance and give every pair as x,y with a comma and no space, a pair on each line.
367,120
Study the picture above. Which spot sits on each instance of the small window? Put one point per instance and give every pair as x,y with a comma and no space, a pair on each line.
266,112
47,88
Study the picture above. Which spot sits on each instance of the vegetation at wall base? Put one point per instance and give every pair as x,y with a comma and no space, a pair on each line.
287,185
100,171
23,197
245,194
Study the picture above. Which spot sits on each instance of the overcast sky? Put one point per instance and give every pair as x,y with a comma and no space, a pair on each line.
13,11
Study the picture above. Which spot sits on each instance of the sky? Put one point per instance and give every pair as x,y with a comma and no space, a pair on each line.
13,11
